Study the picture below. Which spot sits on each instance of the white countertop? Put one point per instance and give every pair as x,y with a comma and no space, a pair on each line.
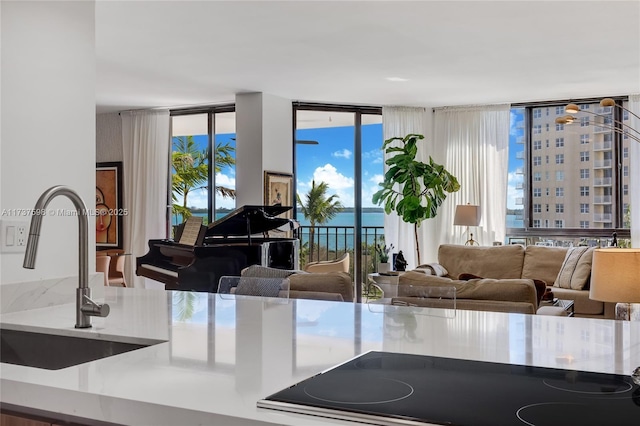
222,354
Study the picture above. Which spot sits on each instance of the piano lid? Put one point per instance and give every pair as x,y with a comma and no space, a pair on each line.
247,220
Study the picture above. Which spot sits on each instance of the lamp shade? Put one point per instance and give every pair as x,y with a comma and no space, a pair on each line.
615,275
467,215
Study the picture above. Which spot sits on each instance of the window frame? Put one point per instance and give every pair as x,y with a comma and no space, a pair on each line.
528,229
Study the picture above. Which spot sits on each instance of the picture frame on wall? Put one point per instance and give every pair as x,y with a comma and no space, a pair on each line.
278,190
109,211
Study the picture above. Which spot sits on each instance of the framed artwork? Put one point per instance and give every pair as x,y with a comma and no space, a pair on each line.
278,190
109,210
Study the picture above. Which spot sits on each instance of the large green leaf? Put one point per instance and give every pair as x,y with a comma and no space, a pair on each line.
413,189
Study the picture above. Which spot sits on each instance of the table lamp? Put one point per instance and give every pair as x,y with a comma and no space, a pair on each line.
615,277
467,215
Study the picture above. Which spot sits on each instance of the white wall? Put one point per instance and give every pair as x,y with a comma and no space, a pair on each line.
264,142
48,124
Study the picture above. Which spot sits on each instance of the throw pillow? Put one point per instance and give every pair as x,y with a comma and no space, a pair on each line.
267,287
576,269
435,269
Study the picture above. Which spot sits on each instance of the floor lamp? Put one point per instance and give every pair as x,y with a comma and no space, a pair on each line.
467,215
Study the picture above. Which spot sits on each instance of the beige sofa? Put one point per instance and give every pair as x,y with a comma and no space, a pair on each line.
565,271
335,286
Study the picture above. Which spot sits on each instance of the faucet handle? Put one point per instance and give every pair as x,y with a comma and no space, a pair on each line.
94,309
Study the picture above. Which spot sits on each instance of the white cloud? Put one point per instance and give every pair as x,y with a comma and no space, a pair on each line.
369,187
198,197
372,157
339,184
329,174
345,153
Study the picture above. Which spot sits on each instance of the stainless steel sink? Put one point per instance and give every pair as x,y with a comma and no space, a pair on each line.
53,352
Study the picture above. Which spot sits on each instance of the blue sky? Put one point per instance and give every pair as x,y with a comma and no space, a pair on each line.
332,161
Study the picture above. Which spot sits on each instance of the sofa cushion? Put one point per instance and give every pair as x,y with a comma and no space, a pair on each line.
543,263
315,295
540,285
467,304
490,262
508,290
259,271
328,282
576,268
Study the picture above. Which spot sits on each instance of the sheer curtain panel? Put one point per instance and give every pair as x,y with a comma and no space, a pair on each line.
473,144
400,121
145,139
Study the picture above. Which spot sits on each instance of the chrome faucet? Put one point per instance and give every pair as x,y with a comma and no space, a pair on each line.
85,307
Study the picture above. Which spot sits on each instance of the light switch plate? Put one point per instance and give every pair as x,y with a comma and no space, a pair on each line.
13,235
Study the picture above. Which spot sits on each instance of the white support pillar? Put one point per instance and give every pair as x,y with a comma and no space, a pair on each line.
264,141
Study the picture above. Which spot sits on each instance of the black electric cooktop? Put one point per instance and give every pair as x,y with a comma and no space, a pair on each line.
383,388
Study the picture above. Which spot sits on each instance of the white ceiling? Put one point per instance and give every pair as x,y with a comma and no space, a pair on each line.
180,53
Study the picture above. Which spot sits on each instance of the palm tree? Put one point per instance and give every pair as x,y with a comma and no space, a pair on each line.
191,171
318,208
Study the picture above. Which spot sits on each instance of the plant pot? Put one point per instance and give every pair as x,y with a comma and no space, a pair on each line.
384,267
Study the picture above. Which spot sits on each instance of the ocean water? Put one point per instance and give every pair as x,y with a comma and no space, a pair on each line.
341,219
368,219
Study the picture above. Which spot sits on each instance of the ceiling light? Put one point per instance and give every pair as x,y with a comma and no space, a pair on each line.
397,79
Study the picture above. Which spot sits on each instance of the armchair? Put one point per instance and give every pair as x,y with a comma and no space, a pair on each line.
340,264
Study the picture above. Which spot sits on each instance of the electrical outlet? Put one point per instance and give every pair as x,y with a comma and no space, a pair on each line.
13,235
21,236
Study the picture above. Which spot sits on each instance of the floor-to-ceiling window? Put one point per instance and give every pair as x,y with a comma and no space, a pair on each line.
568,177
338,159
200,138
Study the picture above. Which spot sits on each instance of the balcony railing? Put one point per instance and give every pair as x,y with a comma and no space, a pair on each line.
330,242
602,199
603,217
602,181
602,146
602,164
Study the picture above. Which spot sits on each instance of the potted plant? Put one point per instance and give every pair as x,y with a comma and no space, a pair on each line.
414,190
383,258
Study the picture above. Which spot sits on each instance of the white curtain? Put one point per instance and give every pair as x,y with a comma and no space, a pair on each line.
634,172
473,144
145,139
399,122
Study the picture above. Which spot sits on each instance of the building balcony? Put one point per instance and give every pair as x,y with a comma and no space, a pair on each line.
520,185
520,140
602,181
601,129
519,171
602,199
519,201
602,146
602,164
520,155
602,217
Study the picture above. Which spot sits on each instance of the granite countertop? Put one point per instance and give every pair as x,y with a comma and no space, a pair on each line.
221,354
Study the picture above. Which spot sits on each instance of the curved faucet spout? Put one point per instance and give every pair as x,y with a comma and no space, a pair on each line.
82,315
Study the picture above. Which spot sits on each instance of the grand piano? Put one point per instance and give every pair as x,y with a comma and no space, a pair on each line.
224,247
